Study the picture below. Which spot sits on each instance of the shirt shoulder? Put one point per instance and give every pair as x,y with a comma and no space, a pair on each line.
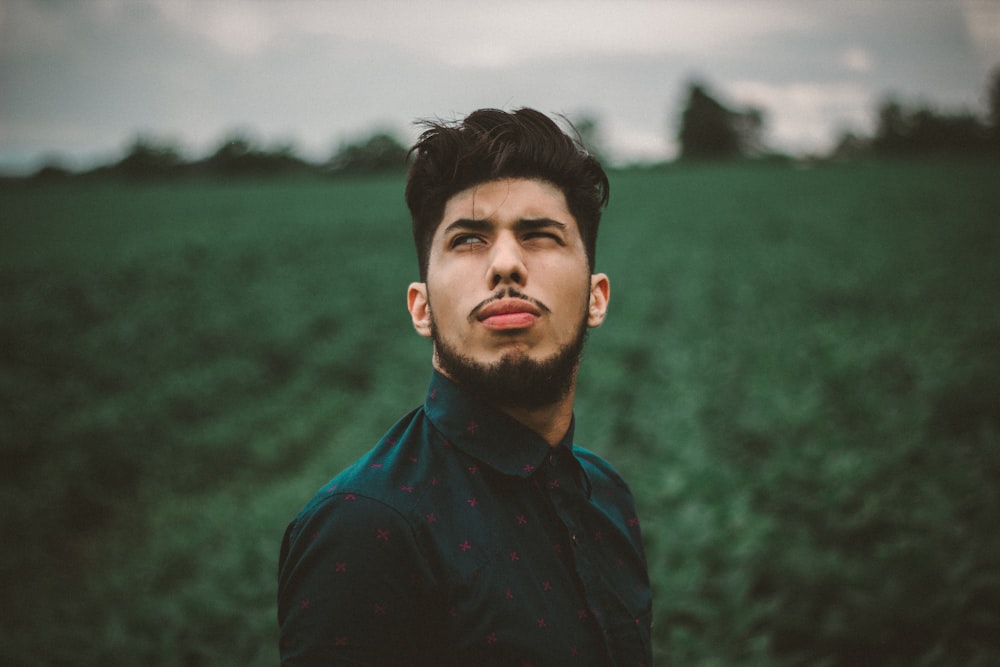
389,472
598,470
610,494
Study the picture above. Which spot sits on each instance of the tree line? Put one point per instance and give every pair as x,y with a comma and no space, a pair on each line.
238,155
710,130
706,130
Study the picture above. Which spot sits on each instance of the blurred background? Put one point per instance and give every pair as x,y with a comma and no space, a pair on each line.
204,251
82,80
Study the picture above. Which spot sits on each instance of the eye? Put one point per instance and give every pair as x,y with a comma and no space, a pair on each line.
544,236
465,240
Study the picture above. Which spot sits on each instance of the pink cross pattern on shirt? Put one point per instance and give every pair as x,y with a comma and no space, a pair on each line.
607,534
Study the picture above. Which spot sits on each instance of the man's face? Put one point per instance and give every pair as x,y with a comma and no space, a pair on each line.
509,291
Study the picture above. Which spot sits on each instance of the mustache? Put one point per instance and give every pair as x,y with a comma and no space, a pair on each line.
509,293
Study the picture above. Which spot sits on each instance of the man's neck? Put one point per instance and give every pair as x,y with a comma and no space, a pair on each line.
551,421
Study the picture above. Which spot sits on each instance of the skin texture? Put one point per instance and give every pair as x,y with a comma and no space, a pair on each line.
508,282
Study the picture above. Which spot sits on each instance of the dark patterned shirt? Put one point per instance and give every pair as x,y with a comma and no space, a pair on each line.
463,538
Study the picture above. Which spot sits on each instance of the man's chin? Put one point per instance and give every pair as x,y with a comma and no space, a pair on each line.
516,378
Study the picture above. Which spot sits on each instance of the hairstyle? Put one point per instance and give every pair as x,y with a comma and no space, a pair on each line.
491,144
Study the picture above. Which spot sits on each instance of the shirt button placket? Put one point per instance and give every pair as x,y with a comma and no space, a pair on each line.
559,480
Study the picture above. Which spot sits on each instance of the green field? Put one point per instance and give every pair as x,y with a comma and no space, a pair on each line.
799,375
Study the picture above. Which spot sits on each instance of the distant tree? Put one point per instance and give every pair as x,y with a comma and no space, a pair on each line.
994,108
52,169
149,157
892,127
378,152
234,147
749,125
235,154
941,132
848,147
709,130
238,155
588,129
922,130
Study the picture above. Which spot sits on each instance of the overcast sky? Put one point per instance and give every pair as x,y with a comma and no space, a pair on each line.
80,79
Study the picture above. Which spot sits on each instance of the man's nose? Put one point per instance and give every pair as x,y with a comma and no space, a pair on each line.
507,264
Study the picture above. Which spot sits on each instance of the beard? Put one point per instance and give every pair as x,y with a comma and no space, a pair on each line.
515,380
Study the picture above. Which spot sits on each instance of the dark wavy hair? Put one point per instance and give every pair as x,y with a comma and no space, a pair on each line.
491,144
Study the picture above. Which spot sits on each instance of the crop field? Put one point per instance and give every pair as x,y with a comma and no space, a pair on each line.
799,376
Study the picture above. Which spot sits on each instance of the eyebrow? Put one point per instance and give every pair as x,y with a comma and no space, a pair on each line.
522,225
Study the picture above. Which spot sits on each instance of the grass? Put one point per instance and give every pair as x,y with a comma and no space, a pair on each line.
800,377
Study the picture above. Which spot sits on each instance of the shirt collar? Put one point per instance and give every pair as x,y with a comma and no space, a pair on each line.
486,433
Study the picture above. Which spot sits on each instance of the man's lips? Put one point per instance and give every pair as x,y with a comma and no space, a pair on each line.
508,314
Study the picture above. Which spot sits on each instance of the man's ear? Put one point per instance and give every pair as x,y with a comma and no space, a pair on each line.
420,309
600,294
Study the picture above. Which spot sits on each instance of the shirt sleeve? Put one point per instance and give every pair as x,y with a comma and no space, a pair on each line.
352,587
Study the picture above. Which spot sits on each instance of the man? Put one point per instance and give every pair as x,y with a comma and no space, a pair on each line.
475,532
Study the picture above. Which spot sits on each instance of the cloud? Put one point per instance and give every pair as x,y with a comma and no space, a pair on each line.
982,20
240,29
633,144
84,77
491,35
856,59
33,28
804,117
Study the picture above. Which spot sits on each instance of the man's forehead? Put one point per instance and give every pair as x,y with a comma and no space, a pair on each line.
523,198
